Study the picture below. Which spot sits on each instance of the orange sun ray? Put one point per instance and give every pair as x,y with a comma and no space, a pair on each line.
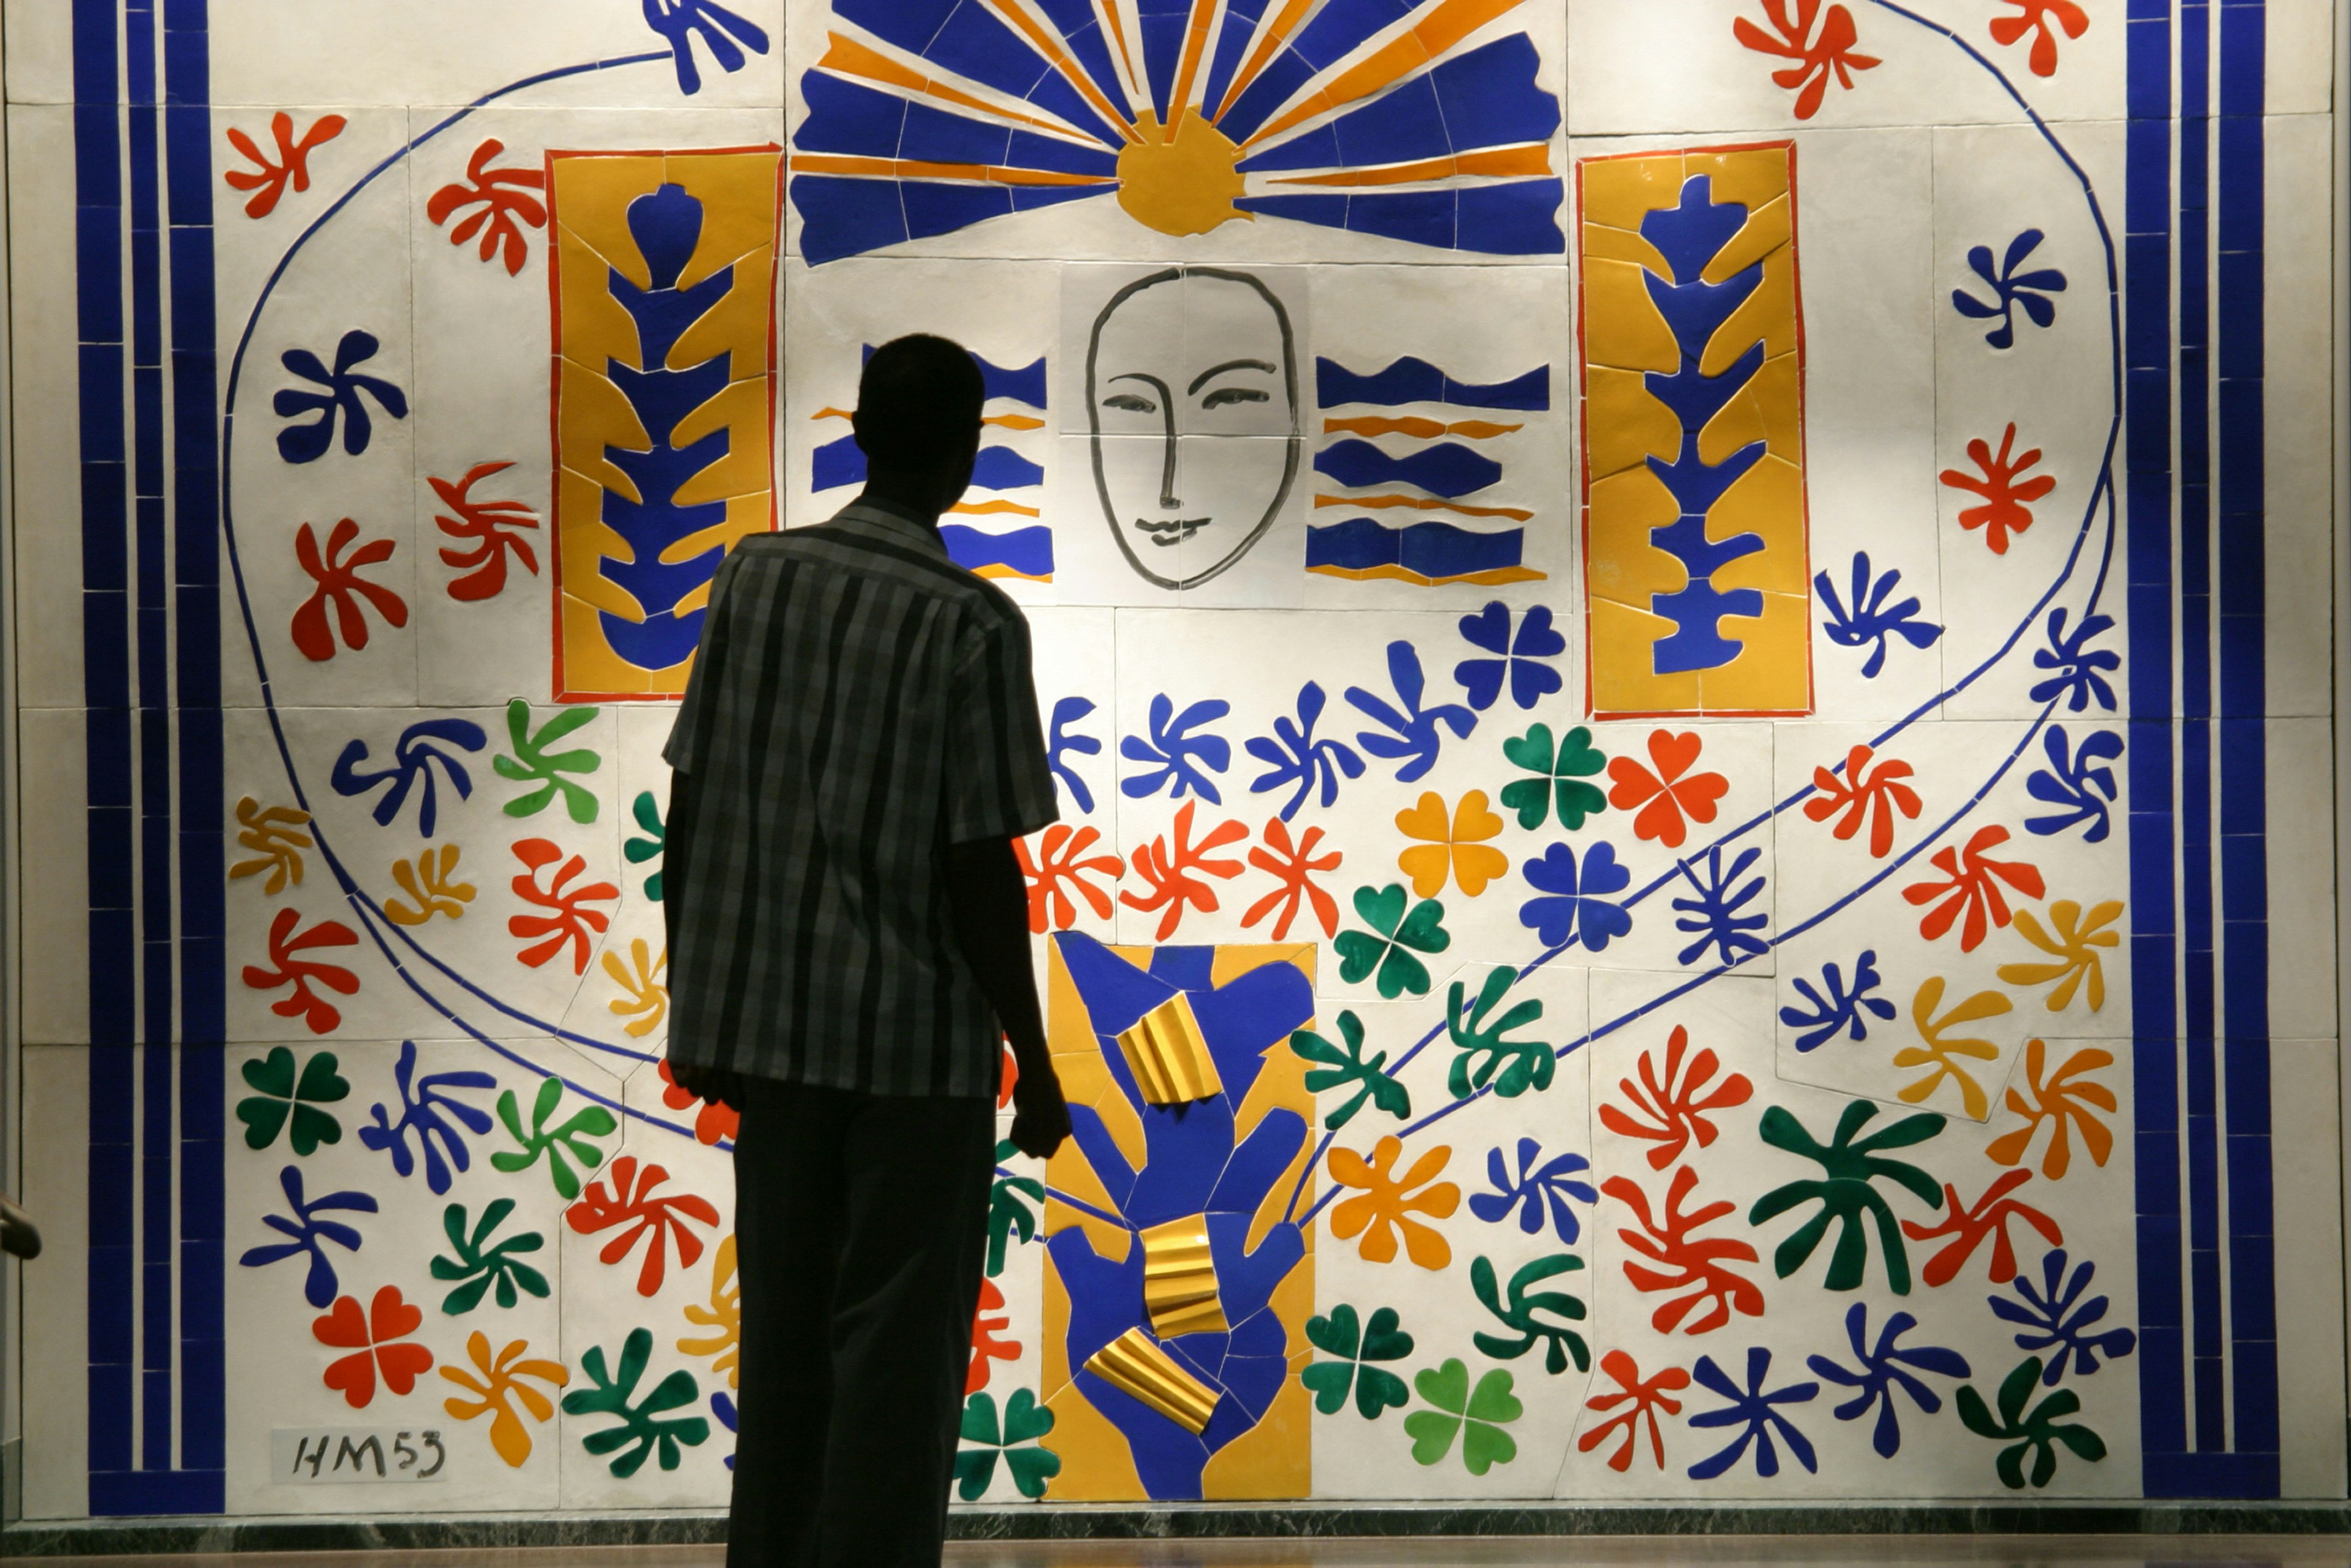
1269,44
1491,160
1444,25
920,168
847,56
1196,44
1050,48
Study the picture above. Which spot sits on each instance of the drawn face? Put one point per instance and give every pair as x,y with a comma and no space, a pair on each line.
1192,397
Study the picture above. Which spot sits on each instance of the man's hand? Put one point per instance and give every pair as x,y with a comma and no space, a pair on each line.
719,1085
1040,1117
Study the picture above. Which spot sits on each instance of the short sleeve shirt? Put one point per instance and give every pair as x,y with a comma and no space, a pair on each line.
858,703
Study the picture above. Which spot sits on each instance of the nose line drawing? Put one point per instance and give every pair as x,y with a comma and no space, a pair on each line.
1167,496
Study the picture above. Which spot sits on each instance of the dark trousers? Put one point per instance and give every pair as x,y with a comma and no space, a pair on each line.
860,1237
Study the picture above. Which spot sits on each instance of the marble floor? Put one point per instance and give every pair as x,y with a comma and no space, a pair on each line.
1616,1551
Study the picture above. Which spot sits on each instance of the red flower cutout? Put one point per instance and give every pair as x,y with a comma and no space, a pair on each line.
984,1345
1675,1113
1830,50
1969,1227
572,920
500,205
2004,510
489,523
268,181
657,1217
339,581
373,1341
1697,1265
1648,1398
1057,870
1292,866
1665,795
1863,793
1971,888
2033,18
712,1122
302,1002
1170,871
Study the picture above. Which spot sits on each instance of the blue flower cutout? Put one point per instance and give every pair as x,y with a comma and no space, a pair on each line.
1064,740
2078,664
1575,911
1551,1183
1519,657
2080,785
309,442
2011,288
1872,620
1173,747
722,30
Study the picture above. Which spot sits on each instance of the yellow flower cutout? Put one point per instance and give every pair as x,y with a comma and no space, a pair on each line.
1381,1212
724,1314
642,991
1938,1051
428,884
2075,946
508,1436
271,830
1457,848
2055,1101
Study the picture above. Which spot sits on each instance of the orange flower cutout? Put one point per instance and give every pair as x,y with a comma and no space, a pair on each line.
1381,1212
373,1339
1665,796
1874,794
504,1379
2067,1096
1456,848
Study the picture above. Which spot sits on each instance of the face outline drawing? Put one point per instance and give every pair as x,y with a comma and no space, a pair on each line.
1196,366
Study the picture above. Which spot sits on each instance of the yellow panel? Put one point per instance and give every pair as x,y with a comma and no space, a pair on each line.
1623,423
1779,393
593,414
1603,244
579,548
594,328
739,206
1619,191
1768,502
737,324
1622,681
1620,561
1772,675
591,199
1621,324
1769,314
1751,176
1765,230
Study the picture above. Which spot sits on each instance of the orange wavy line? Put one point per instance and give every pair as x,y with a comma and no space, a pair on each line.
1421,503
1367,425
983,508
1008,420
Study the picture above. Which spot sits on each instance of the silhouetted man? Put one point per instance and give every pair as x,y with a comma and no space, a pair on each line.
849,940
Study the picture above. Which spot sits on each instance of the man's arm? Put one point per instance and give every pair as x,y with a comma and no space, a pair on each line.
719,1084
990,907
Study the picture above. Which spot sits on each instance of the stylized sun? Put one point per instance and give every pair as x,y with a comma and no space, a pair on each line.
1364,115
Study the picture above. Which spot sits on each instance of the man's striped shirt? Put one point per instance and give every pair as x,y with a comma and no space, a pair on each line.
858,703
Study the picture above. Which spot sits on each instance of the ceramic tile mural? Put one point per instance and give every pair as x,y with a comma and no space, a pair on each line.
1654,618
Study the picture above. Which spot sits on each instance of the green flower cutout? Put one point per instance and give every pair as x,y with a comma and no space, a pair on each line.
1387,950
1477,1034
1477,1417
532,763
1844,1193
638,1423
1559,777
640,851
481,1269
1025,1421
280,1098
1009,1210
1375,1388
1520,1314
2039,1430
587,1122
1345,1066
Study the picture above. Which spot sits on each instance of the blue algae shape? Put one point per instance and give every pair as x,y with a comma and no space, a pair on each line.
1447,468
1688,236
666,223
1432,552
1018,552
1414,380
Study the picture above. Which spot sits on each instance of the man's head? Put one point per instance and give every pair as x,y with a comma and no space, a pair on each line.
917,419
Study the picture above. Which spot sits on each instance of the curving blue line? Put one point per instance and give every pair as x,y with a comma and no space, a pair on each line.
371,914
2102,492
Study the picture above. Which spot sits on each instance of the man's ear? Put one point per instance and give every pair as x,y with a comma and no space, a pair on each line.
857,429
